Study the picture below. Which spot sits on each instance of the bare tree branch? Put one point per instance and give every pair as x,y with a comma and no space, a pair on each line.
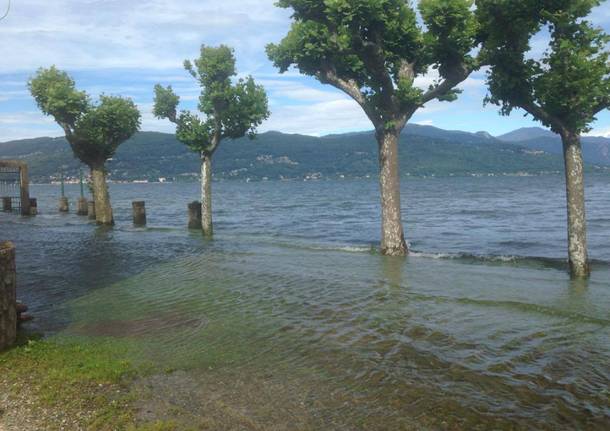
538,112
406,71
458,75
604,104
371,54
328,76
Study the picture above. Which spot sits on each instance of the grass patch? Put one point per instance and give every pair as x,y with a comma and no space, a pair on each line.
65,383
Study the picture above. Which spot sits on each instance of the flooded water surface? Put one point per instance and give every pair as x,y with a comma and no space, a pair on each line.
289,319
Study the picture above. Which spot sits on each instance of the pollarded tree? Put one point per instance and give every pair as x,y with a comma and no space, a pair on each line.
564,89
373,50
231,110
94,131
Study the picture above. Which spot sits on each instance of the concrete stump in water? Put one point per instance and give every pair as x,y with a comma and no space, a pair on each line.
64,206
195,215
91,210
139,213
7,204
8,295
82,207
33,206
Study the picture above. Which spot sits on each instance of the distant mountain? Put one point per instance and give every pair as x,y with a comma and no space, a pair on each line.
425,151
596,150
525,134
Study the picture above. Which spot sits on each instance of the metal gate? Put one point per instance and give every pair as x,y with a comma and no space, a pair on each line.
10,188
14,187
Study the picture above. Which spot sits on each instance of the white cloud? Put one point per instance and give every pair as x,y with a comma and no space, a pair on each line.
126,46
602,131
31,118
341,115
155,34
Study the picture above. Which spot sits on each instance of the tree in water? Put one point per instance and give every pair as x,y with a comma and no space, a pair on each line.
94,131
232,110
564,89
374,51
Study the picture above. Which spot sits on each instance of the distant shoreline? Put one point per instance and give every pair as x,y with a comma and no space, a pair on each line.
600,171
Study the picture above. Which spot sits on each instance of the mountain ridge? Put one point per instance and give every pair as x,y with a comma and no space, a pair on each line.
596,149
425,151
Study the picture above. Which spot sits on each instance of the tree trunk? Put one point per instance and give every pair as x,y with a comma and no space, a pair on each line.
577,221
103,209
392,234
206,195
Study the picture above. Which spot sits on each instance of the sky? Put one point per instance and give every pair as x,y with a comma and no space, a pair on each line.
125,47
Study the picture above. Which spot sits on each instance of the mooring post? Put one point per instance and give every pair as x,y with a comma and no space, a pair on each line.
81,204
8,295
91,210
64,206
139,213
24,179
33,206
7,204
195,215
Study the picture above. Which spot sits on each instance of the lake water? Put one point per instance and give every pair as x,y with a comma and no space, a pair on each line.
291,318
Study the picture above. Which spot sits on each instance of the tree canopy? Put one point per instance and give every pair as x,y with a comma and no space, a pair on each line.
566,86
374,50
94,130
231,110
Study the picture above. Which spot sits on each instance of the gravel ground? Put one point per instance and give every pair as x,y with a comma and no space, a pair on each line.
21,410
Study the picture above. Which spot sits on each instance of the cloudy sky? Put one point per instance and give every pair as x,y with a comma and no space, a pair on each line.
126,46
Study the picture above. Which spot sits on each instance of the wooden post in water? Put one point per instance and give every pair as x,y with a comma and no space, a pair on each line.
7,204
33,206
81,205
24,191
139,213
195,215
64,206
91,210
8,295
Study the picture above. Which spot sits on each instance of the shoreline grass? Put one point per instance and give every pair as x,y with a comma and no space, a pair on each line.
59,383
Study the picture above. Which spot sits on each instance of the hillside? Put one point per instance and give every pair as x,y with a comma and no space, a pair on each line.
596,150
425,151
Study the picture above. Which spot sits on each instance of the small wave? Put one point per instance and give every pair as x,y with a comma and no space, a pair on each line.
340,248
497,259
468,256
372,249
348,248
550,262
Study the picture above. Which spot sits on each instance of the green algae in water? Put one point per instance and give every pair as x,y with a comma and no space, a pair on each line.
344,341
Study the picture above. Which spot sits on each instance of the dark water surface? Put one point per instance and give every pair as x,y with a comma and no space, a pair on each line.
481,327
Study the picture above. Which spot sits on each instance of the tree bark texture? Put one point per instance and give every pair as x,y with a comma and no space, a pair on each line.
206,195
575,192
392,234
103,208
